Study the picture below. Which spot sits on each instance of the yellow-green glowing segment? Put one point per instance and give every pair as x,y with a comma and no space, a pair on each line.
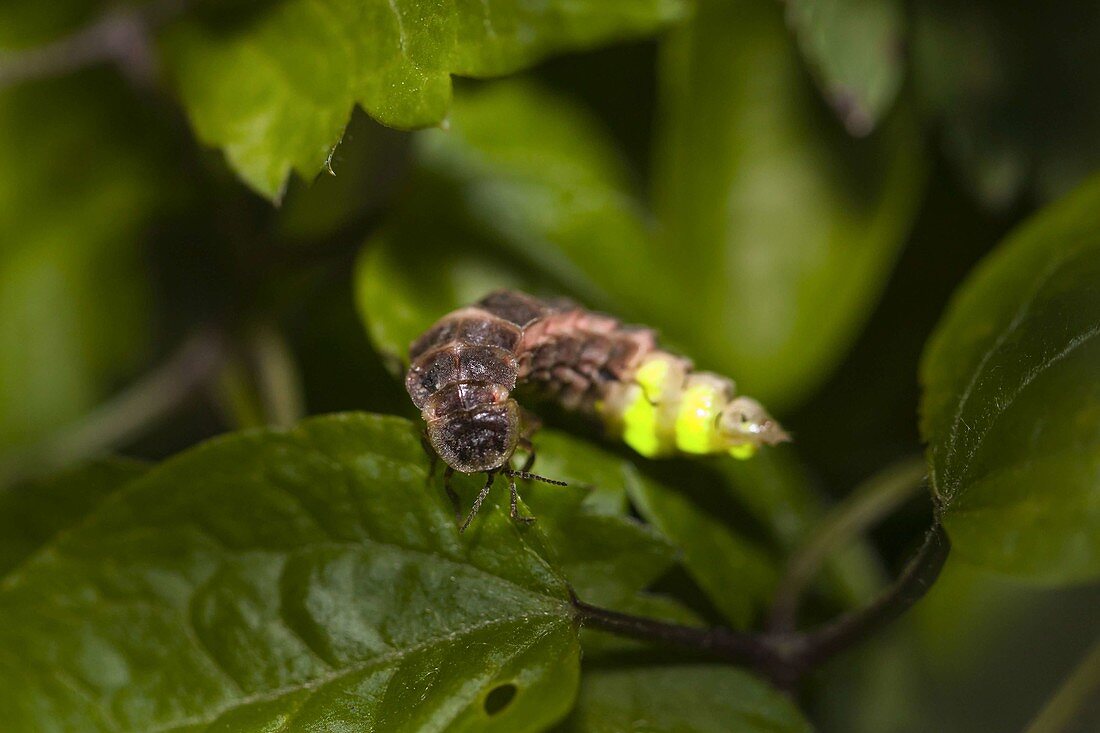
653,376
640,423
743,452
697,419
666,408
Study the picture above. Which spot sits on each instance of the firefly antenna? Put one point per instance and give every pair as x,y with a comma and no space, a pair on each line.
533,477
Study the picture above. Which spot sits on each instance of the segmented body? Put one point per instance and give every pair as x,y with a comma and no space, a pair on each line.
465,367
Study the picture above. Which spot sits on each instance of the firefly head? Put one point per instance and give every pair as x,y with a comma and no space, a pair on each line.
745,426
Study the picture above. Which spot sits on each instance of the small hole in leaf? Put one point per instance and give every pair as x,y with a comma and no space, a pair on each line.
499,698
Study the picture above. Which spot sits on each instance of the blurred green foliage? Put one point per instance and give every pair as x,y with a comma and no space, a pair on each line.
793,194
84,179
857,49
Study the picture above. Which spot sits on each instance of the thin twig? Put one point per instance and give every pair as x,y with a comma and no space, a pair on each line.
785,657
277,378
110,425
121,36
1081,688
876,498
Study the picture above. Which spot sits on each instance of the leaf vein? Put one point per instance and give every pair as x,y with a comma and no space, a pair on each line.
1017,319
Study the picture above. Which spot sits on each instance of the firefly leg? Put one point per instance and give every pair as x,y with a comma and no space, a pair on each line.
448,474
514,512
477,502
433,457
527,446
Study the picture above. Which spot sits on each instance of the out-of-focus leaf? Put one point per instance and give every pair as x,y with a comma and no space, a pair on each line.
1016,87
541,179
365,169
776,490
780,229
274,89
855,49
32,513
1011,404
974,620
874,688
412,274
679,699
291,580
539,176
737,575
77,188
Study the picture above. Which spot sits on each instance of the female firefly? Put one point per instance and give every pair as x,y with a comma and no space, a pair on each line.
466,366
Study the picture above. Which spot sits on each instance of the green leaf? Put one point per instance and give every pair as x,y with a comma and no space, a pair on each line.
74,301
679,699
535,192
34,512
736,574
856,49
781,227
291,580
275,89
607,556
1011,404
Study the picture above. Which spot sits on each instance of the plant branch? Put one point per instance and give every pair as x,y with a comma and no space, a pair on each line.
737,647
879,496
114,422
916,578
121,36
786,656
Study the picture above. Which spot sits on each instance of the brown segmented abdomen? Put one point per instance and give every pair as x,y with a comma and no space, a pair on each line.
574,355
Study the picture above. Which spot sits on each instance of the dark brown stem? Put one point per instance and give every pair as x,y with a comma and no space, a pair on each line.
785,657
121,36
918,576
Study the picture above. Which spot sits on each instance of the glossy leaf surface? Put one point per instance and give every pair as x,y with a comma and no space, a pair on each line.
293,580
1011,405
32,513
